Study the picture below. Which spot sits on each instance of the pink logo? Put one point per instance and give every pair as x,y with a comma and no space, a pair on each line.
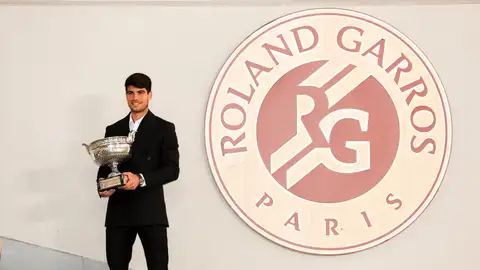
328,131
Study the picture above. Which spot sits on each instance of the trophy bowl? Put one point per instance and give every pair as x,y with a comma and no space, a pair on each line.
111,151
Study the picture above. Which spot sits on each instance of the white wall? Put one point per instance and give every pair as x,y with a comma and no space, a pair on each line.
62,70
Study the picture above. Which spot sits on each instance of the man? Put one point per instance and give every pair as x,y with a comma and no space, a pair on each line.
139,206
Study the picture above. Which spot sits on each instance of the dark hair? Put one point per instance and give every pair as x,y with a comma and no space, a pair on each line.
139,80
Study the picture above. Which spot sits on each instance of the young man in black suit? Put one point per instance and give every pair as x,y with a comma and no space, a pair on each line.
138,208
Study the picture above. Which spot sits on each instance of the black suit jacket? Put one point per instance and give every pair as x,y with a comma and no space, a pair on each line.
155,155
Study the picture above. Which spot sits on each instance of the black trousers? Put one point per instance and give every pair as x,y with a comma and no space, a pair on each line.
119,245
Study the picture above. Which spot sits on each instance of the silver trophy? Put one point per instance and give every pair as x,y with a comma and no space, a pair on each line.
111,151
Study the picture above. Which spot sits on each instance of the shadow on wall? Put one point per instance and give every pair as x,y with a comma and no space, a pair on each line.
50,216
56,214
22,256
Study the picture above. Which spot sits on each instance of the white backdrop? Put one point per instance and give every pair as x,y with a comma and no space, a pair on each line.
62,70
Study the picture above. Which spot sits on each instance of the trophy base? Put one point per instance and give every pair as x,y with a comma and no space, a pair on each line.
112,182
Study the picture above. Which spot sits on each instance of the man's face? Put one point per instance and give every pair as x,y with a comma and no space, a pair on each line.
138,98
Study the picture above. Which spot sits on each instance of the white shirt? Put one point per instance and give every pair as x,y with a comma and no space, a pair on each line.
134,124
134,127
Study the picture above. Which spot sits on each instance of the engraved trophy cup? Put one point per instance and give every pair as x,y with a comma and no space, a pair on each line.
111,151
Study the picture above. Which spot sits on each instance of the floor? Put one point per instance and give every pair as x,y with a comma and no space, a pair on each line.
17,255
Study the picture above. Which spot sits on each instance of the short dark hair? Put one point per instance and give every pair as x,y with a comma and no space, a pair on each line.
139,80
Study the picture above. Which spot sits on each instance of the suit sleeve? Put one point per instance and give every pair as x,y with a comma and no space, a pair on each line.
103,171
169,168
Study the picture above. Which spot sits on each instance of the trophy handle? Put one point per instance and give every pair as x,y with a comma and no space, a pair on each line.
86,147
131,136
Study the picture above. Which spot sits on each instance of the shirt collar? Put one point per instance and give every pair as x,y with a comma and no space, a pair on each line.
134,124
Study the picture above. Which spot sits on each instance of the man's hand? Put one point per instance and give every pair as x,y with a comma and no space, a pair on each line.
106,193
133,181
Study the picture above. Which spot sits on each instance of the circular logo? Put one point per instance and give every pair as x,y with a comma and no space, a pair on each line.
328,131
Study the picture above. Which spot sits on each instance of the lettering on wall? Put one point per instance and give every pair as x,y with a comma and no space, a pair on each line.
328,131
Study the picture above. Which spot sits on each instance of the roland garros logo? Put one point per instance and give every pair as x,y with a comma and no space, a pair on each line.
328,131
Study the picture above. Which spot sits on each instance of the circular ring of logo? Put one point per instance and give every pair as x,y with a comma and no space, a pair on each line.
328,131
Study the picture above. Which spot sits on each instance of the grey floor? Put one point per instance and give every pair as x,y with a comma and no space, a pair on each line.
17,255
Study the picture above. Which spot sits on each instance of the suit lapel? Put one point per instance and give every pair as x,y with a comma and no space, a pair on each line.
123,128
